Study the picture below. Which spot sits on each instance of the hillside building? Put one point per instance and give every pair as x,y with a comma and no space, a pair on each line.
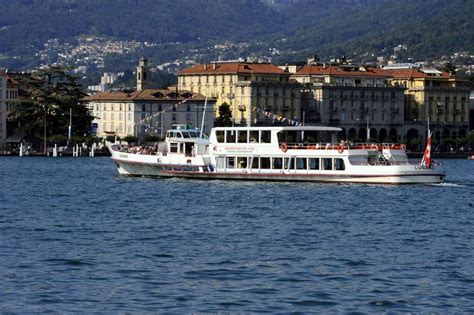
246,87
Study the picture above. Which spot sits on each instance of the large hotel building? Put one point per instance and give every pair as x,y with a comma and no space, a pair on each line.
354,98
246,87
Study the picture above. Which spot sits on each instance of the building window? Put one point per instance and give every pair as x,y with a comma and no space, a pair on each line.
143,108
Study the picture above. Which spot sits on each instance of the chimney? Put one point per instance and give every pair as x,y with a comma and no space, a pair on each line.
205,66
214,66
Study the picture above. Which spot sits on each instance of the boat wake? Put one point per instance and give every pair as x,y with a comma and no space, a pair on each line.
448,185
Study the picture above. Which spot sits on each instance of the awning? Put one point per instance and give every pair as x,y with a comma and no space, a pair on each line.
14,139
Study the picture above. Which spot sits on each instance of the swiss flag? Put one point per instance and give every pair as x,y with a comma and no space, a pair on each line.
426,160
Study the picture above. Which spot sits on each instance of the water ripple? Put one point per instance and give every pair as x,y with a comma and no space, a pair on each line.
82,239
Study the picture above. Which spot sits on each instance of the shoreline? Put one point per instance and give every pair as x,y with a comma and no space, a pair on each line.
411,155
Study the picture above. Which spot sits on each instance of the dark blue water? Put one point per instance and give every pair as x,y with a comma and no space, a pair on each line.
74,236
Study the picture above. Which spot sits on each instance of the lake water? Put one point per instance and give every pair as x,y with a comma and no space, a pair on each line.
75,236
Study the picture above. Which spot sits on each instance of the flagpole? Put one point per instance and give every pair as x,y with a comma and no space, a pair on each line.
204,113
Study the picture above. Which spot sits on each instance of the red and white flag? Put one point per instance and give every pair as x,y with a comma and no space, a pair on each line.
426,160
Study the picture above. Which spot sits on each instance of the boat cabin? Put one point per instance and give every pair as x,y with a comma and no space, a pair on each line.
182,140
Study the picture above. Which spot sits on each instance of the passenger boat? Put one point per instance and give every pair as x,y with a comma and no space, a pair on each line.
305,153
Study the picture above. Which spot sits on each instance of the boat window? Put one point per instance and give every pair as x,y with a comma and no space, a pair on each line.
179,134
265,163
311,136
301,163
220,136
220,162
173,147
255,162
230,136
230,162
292,164
313,163
266,136
242,162
185,134
339,163
242,136
286,163
254,138
277,163
327,164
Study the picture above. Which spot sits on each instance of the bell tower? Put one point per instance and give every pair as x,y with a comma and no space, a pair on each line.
142,74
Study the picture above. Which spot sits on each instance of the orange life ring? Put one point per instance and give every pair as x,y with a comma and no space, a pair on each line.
284,147
340,148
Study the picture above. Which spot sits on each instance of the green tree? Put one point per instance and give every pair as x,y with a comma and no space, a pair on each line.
53,98
471,137
225,116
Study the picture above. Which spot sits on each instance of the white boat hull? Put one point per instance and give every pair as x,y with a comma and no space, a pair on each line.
398,176
266,160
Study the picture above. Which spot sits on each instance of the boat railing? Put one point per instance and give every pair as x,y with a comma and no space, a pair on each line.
344,146
381,163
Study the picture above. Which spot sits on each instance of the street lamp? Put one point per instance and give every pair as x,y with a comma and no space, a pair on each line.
69,130
45,129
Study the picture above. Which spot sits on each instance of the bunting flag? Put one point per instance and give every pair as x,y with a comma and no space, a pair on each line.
169,108
277,117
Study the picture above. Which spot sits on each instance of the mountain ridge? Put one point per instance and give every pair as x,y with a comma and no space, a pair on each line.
293,29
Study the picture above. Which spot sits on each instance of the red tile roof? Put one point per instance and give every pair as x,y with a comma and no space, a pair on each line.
146,95
233,68
340,71
12,81
414,73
